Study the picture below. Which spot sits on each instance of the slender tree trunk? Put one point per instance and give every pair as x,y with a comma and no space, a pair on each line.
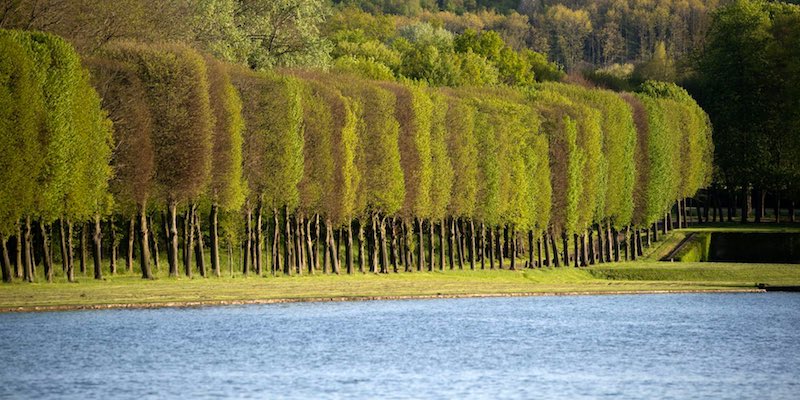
277,262
316,242
188,227
18,266
452,247
777,207
172,244
483,245
62,236
362,250
441,244
491,247
632,244
395,245
258,239
213,220
375,246
348,249
144,244
575,253
591,246
460,242
199,248
639,251
384,250
655,231
300,234
556,256
27,245
472,251
615,234
539,252
500,255
431,243
287,242
512,251
5,259
310,246
565,243
584,254
82,245
46,258
248,239
530,248
336,260
420,246
609,243
546,240
112,230
745,203
131,243
600,244
98,248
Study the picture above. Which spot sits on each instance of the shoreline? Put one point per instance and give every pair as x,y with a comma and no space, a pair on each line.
222,303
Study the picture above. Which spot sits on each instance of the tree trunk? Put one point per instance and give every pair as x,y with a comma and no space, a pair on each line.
452,247
777,207
512,250
384,249
591,249
584,253
538,252
684,201
565,244
131,243
5,260
420,246
277,262
300,234
491,248
431,243
348,247
258,239
28,266
575,253
632,244
188,236
460,242
609,243
62,241
47,260
287,242
395,245
172,244
362,251
310,245
639,251
248,239
791,211
556,256
483,245
200,259
546,239
615,234
745,208
112,230
98,249
213,221
530,248
153,233
375,246
655,231
144,244
82,245
441,244
600,244
335,260
472,250
500,255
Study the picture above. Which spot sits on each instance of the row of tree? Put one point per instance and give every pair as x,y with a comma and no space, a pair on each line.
394,166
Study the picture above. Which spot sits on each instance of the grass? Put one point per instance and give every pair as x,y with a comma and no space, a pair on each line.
644,275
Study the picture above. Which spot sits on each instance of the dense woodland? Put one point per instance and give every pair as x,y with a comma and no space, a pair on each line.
307,138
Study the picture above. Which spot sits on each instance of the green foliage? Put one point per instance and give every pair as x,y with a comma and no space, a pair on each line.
441,165
462,149
178,97
227,187
21,108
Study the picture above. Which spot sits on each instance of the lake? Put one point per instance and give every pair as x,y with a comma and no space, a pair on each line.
678,346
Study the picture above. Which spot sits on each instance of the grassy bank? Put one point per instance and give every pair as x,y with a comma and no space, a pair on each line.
623,277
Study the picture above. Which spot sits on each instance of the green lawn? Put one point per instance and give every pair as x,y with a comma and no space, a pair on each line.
642,276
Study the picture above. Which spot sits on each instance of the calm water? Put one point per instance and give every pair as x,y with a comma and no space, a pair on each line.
655,346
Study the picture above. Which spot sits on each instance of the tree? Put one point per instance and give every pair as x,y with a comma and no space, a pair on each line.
227,188
178,100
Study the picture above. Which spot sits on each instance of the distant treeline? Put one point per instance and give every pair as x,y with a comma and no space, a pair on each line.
397,174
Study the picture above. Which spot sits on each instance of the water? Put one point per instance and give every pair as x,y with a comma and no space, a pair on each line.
655,346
